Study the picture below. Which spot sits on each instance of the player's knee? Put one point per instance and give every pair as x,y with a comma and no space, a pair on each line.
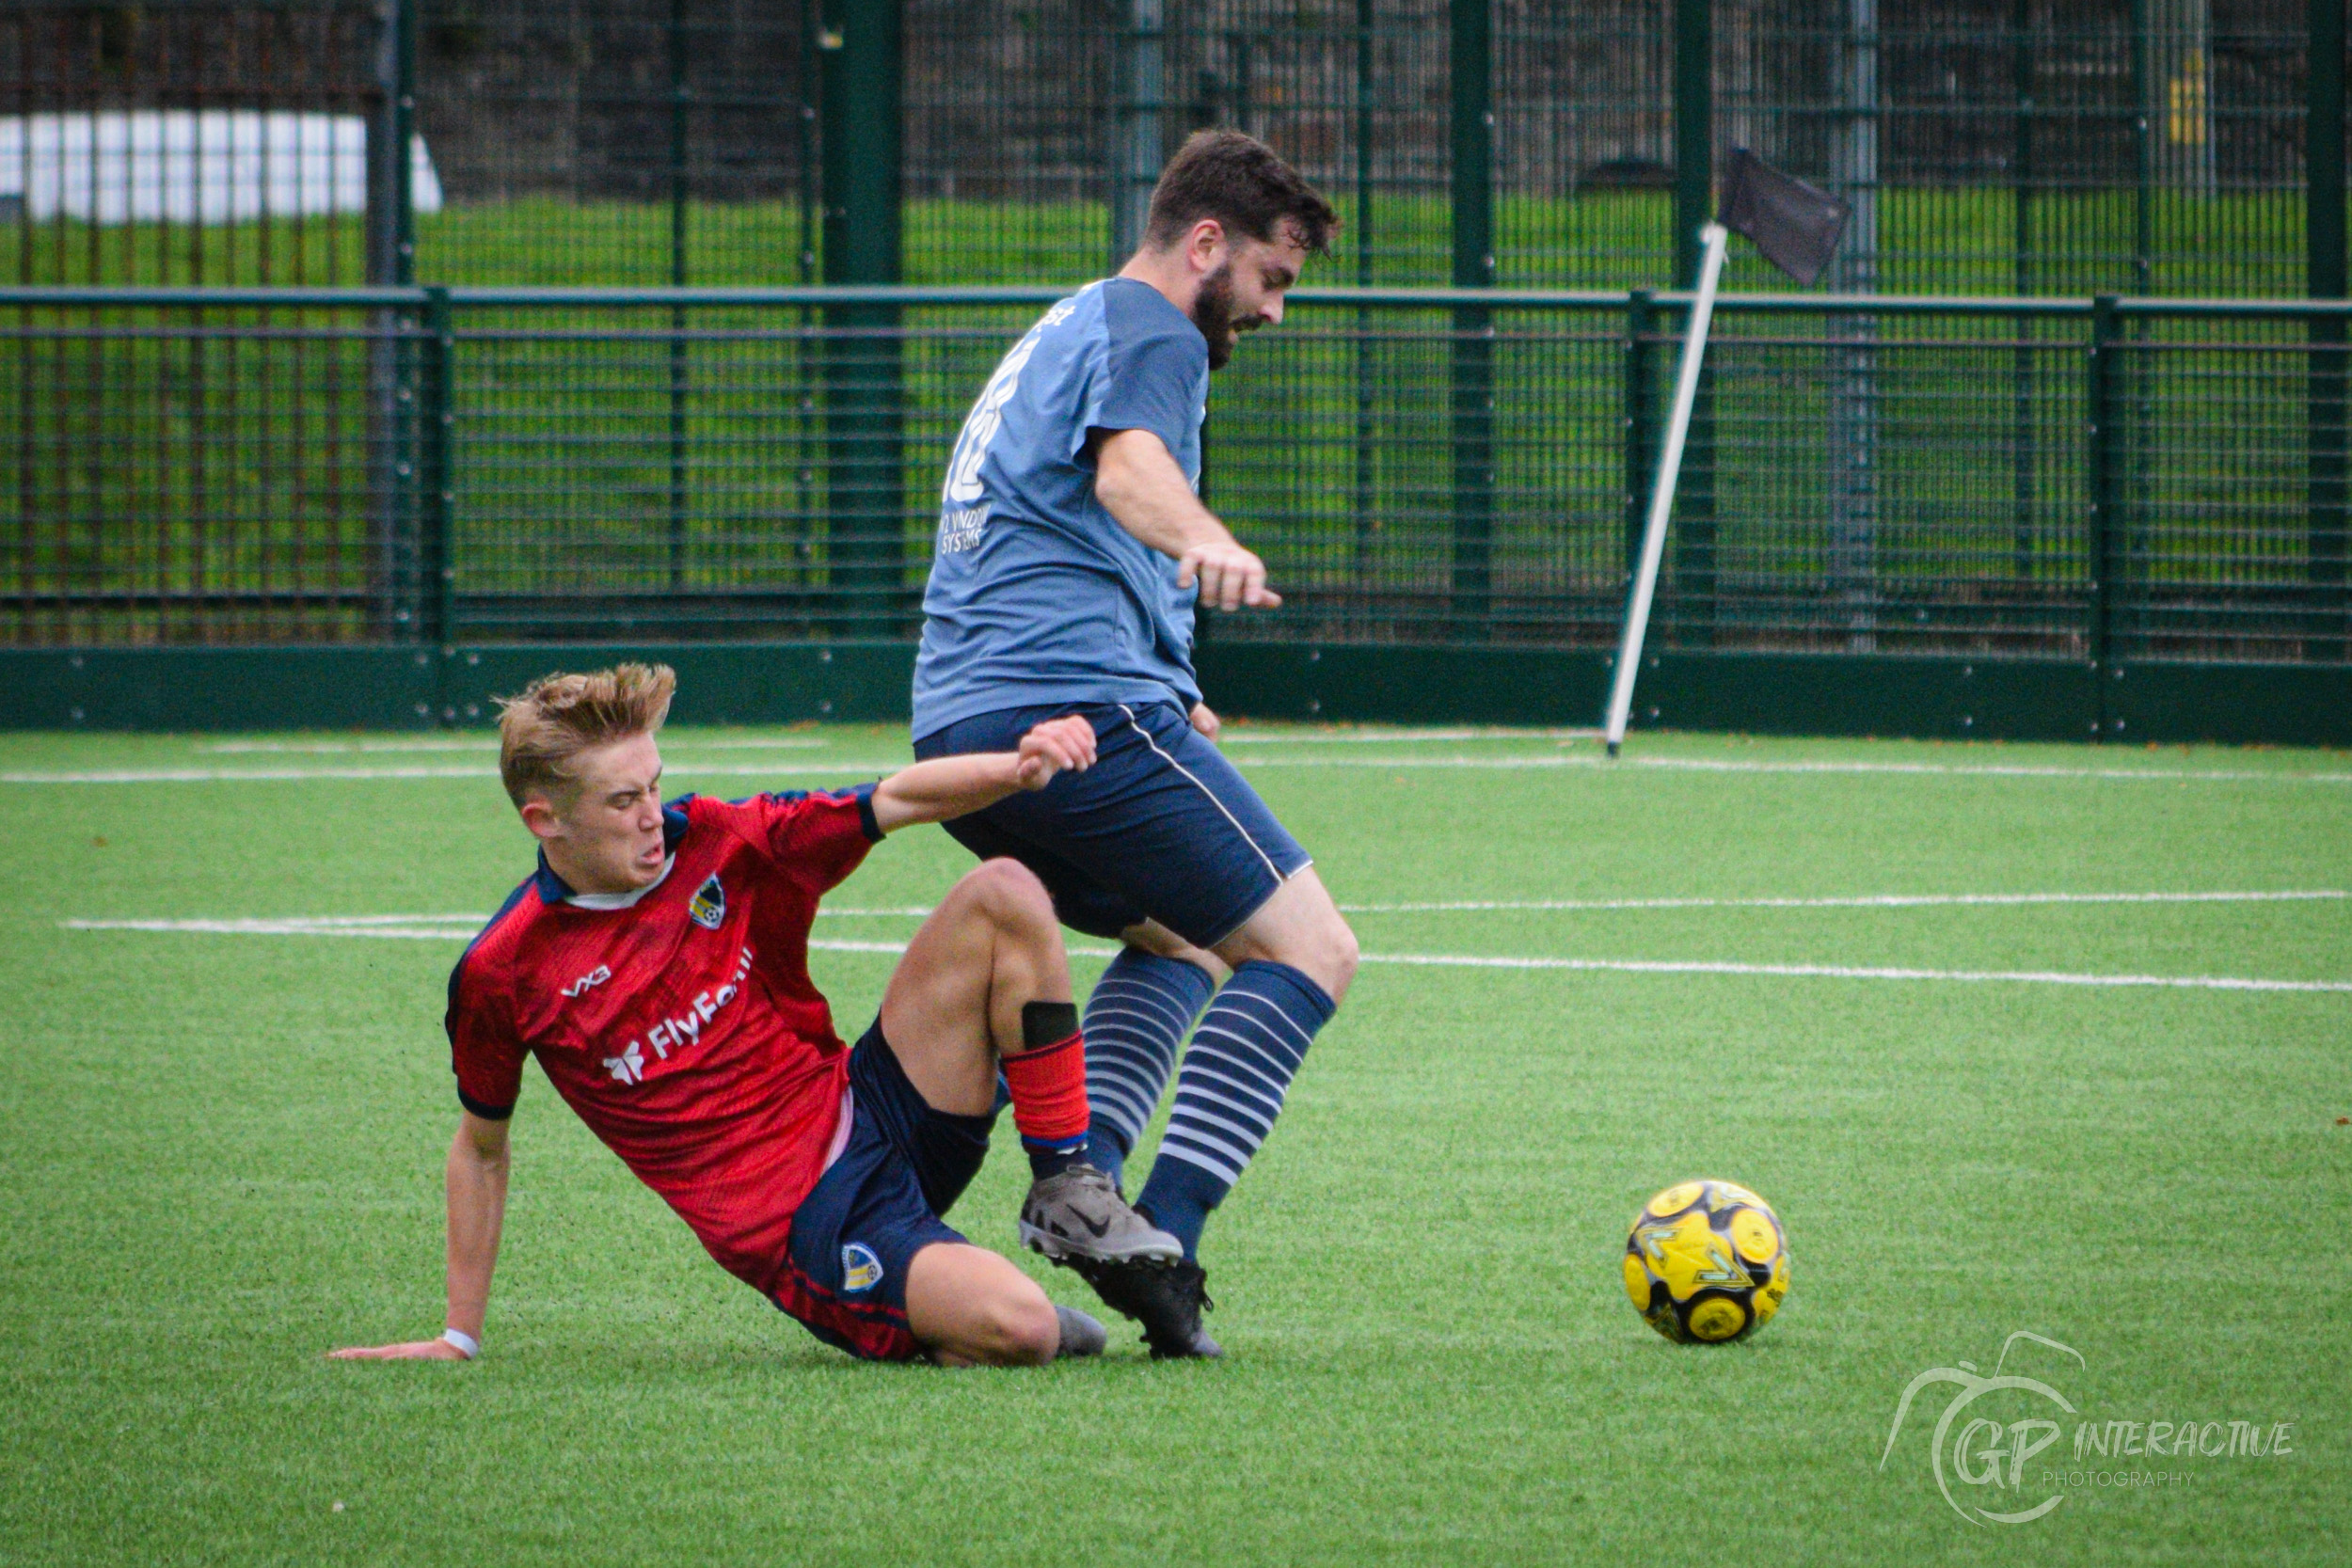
1009,894
1017,1329
1335,941
1321,947
1346,953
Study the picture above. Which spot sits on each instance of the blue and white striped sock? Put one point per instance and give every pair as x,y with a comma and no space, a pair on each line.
1138,1014
1243,1054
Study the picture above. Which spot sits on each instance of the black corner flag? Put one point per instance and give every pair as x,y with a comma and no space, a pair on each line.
1796,226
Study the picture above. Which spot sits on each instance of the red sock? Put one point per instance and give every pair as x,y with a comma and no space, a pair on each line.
1049,1103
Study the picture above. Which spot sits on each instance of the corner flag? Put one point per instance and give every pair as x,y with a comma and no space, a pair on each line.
1797,225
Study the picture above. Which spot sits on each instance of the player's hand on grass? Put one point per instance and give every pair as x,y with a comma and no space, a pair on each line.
415,1349
1059,744
1205,722
1230,578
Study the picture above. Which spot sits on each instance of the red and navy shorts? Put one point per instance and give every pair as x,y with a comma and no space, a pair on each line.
876,1207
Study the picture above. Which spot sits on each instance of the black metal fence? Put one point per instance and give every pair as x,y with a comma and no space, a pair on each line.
2063,147
2079,479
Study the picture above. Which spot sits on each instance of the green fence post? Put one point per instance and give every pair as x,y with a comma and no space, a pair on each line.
389,242
1694,132
392,217
2022,66
1693,599
1138,134
1472,395
1361,242
1640,307
2143,148
2325,269
2102,548
1367,90
678,280
435,486
864,74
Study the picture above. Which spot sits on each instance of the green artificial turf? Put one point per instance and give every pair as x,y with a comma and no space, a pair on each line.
224,1152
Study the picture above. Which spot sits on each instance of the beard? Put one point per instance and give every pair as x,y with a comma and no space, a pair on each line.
1212,313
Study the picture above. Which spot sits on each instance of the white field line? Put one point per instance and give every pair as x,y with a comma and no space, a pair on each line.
400,927
2020,770
347,926
1395,738
469,922
478,744
865,768
1991,770
848,772
1871,902
1704,966
429,927
759,743
334,748
1842,971
239,775
1866,901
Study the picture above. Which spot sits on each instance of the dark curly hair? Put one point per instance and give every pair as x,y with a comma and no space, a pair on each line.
1244,185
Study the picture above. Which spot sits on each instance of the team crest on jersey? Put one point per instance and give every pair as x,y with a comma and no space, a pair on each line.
860,1269
710,904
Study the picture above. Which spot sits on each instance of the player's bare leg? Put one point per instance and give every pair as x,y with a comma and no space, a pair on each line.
1299,926
954,1005
985,982
972,1307
1156,938
980,975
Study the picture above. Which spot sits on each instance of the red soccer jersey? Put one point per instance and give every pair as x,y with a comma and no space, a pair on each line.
684,1028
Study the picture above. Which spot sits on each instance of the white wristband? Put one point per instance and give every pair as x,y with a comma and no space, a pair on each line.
467,1344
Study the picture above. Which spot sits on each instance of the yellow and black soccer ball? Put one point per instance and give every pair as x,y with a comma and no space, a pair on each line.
1707,1262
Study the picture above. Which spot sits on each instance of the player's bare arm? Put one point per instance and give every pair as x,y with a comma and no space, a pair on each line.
478,1159
948,787
1140,486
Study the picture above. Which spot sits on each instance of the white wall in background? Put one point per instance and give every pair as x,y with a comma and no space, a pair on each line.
194,166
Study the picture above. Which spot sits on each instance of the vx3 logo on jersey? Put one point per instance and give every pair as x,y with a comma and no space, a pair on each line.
1988,1456
595,978
679,1032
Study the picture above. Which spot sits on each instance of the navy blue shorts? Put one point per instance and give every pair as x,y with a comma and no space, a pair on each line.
1160,826
876,1207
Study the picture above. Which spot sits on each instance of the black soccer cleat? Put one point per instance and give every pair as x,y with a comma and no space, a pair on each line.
1166,1298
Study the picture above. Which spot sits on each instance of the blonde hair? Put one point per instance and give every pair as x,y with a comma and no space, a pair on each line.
560,715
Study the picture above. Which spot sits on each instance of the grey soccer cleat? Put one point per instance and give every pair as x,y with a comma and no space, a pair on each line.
1078,1216
1081,1335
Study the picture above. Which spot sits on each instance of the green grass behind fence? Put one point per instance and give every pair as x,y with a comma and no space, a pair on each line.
1934,240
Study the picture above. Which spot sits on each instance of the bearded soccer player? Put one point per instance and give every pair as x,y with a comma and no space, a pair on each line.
657,965
1073,548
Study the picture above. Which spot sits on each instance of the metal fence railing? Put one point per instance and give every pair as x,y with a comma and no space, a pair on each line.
1998,147
2079,478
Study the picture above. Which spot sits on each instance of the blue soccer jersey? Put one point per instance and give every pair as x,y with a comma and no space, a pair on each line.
1037,594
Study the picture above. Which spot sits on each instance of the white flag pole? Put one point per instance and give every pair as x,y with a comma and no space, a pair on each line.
1662,502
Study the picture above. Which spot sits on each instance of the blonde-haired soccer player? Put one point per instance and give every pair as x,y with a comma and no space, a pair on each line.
656,965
